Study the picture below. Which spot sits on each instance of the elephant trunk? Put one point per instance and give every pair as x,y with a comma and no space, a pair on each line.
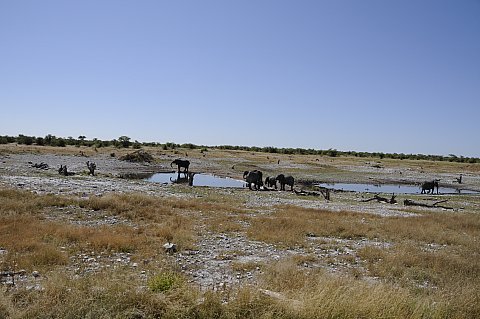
171,164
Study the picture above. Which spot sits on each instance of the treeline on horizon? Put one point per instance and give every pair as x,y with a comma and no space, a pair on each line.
125,142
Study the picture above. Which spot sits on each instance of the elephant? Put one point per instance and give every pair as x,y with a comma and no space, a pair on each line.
429,187
289,180
181,163
271,181
253,177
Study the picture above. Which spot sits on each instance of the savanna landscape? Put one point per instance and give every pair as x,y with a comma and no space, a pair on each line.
85,245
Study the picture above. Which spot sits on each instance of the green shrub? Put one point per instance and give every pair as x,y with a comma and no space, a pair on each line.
165,281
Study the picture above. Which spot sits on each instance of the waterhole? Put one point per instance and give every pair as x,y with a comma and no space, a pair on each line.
391,188
198,180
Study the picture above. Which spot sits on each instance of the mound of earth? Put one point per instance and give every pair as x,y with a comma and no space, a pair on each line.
139,156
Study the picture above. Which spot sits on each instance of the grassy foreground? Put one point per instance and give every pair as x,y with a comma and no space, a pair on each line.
429,269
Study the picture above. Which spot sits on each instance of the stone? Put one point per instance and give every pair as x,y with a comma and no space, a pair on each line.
170,248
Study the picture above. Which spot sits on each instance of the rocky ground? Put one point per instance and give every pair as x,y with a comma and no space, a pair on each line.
220,259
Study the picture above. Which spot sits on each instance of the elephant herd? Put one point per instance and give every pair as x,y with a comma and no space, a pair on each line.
255,178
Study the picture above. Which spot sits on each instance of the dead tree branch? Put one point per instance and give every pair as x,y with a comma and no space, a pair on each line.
408,202
325,193
91,167
378,198
63,171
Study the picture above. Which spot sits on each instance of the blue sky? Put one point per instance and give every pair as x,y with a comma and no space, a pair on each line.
377,76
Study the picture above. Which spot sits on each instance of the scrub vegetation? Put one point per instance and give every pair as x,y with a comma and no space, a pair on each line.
125,142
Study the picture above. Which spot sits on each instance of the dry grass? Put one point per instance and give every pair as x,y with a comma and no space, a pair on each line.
289,226
33,243
435,254
430,269
16,202
317,294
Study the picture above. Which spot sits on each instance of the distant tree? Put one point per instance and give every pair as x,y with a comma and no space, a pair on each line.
40,141
3,139
124,141
137,145
71,141
171,145
60,142
49,139
332,152
189,145
82,140
23,139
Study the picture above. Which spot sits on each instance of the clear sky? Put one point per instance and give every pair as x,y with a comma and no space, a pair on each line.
364,75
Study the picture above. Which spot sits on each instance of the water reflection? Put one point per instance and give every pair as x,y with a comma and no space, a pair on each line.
183,178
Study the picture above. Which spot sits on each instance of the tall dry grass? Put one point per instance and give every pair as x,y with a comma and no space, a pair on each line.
289,225
432,258
318,294
16,202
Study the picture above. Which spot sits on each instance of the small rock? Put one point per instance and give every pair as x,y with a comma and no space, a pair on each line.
170,248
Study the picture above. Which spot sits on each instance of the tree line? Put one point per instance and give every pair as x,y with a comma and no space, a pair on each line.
125,142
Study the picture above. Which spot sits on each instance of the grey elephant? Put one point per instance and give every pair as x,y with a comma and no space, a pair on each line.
271,181
285,180
429,187
253,177
181,163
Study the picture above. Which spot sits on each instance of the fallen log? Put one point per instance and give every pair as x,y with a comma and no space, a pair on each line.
325,193
63,171
304,193
378,198
408,202
12,273
42,165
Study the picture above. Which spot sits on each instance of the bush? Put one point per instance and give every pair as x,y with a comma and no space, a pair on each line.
165,281
139,156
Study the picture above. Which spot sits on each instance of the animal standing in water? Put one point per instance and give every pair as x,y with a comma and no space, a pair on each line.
429,187
181,163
